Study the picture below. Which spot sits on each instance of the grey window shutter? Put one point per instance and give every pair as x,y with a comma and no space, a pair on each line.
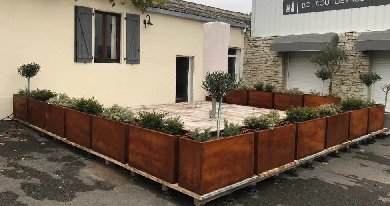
132,39
83,34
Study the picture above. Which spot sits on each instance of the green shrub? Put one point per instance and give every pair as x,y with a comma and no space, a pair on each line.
231,129
201,136
118,113
173,126
292,91
42,95
329,109
369,78
24,92
301,114
353,104
89,106
315,92
152,120
62,100
259,86
28,71
269,88
265,121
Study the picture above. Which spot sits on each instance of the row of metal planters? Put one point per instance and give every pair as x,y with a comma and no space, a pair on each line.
276,100
199,167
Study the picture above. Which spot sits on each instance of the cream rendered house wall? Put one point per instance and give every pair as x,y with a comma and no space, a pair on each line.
42,31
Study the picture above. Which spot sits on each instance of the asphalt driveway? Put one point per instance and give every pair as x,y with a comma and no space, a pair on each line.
37,170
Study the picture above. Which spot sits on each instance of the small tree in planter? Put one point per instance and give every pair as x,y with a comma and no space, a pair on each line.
323,74
368,79
28,71
218,84
330,60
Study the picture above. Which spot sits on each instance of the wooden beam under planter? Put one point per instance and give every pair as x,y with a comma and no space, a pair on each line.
207,166
376,118
36,113
154,152
261,99
274,148
358,123
310,137
337,129
55,119
110,138
287,101
20,107
239,97
78,127
315,101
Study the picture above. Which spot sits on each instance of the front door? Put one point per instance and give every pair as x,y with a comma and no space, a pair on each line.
182,70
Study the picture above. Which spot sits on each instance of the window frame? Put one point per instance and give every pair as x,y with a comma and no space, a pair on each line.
237,63
104,37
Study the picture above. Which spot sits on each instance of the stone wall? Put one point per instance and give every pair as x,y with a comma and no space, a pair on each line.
261,64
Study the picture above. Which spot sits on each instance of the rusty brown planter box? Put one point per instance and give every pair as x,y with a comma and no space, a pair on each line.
261,99
78,127
153,152
36,113
287,101
358,123
239,97
110,138
376,118
337,129
310,137
314,101
208,166
55,119
274,148
20,107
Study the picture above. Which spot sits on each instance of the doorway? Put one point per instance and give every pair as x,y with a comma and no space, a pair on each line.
183,79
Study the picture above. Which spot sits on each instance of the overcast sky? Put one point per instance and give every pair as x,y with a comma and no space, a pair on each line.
244,6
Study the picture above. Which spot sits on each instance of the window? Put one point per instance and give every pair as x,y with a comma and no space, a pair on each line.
234,62
107,37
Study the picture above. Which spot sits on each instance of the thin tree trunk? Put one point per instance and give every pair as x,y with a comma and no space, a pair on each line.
213,108
387,92
219,117
323,85
28,84
330,87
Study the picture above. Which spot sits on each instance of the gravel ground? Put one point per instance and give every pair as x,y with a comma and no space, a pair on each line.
37,170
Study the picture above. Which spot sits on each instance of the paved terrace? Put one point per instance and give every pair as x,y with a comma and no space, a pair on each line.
196,115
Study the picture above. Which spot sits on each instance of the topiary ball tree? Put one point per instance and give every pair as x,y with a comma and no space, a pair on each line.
323,74
28,71
218,84
368,79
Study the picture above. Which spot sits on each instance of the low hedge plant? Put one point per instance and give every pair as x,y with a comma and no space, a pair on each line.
260,86
118,113
263,122
158,122
292,91
62,100
301,114
89,106
355,104
329,110
42,95
230,130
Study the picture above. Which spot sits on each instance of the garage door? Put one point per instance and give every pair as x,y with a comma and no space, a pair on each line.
381,65
301,72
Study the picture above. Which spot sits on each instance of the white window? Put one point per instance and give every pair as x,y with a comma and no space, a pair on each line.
234,62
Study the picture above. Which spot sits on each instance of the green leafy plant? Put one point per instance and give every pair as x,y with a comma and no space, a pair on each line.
259,86
42,95
201,136
173,126
315,93
269,88
368,79
294,91
89,106
141,5
329,110
24,92
29,71
152,120
231,129
323,74
218,84
301,114
330,59
62,100
265,121
118,113
353,104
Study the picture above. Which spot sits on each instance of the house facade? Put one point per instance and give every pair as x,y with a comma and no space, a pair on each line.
286,33
87,48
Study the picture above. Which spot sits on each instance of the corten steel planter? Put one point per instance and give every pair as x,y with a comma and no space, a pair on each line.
314,101
274,148
55,119
239,97
154,152
261,99
36,113
358,123
208,166
20,107
337,129
110,138
78,127
310,137
376,118
287,101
